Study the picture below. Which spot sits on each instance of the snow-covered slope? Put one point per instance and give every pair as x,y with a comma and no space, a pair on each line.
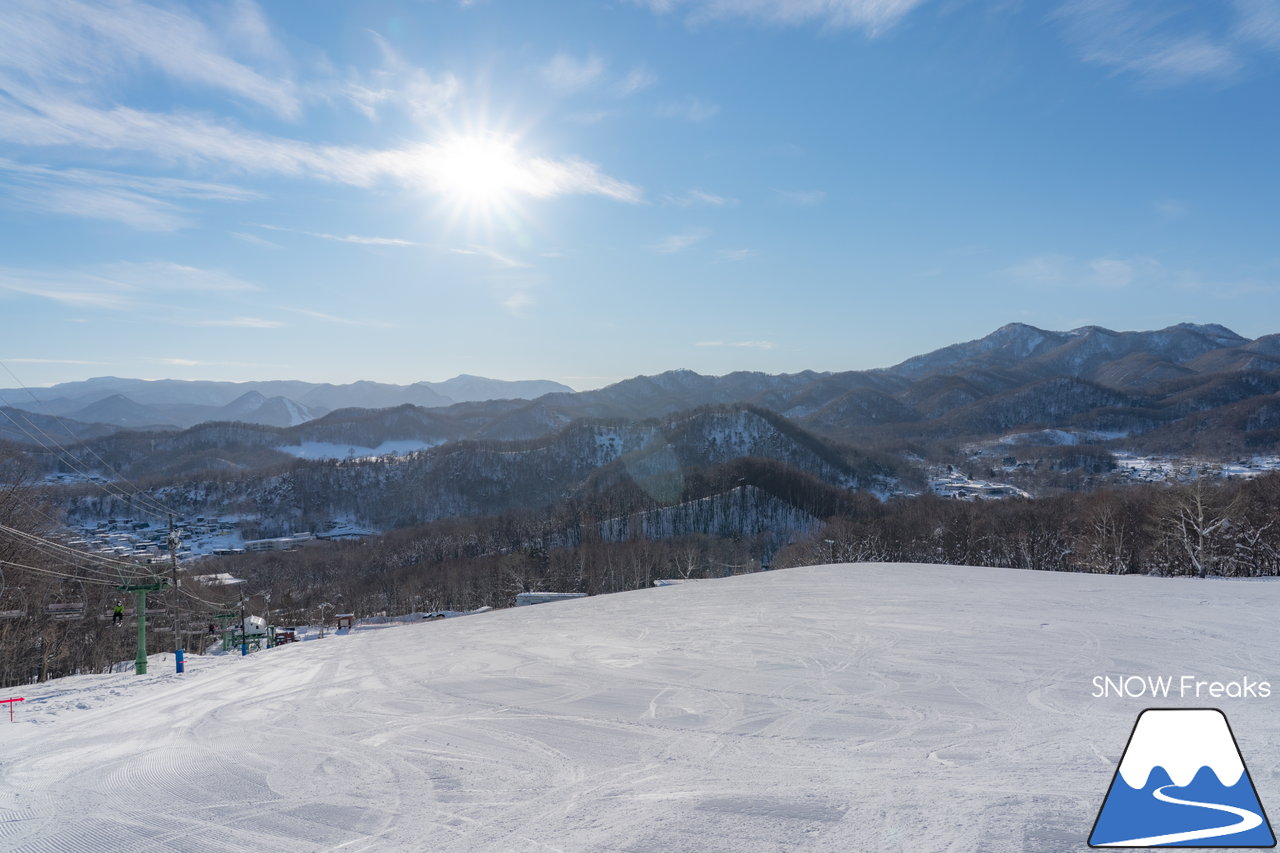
885,708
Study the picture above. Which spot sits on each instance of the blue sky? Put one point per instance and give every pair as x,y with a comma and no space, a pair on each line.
587,191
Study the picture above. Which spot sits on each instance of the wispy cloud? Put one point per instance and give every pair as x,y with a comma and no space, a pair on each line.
1157,44
1258,22
689,109
142,212
196,140
255,240
1053,270
493,255
873,17
568,74
400,85
75,290
87,44
235,322
118,285
343,321
193,362
737,254
637,79
344,238
161,276
140,202
699,197
803,198
63,64
518,302
1171,209
674,243
744,344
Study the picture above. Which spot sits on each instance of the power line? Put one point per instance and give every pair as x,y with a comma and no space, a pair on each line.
65,457
57,574
62,551
156,505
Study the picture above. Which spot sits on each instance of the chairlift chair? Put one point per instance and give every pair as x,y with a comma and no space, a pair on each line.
69,603
13,604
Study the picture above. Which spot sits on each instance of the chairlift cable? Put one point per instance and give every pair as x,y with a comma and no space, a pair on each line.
57,574
64,551
63,455
157,506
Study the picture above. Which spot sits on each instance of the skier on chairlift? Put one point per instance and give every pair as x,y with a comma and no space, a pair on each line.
117,614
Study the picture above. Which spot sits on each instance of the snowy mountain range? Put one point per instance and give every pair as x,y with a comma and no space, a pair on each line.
1081,394
168,403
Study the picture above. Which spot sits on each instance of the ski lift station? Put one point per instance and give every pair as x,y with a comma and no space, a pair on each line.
524,598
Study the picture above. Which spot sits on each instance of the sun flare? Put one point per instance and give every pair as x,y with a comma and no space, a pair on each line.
480,174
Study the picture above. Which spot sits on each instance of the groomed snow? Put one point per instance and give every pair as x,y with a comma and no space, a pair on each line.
871,707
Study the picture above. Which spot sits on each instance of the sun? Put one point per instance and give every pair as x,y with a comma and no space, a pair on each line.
481,175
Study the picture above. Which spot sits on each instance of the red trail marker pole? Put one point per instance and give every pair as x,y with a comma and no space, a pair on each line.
10,703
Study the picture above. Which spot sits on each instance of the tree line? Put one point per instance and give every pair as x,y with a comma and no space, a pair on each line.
1224,528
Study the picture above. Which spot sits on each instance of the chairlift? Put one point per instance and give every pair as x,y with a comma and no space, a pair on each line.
13,604
67,604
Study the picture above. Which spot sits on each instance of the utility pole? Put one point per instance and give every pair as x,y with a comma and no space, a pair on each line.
141,590
173,564
244,640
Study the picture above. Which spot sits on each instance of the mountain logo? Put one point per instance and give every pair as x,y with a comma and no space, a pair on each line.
1182,783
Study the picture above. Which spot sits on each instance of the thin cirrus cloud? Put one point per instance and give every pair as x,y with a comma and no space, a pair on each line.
568,74
57,57
398,84
1107,273
492,254
161,276
696,196
1162,45
1258,23
344,238
689,108
74,291
79,43
1171,208
738,344
195,140
674,243
637,79
117,286
145,203
193,362
234,322
873,17
803,198
342,321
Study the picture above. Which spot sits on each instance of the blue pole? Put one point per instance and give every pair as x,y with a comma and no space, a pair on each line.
179,655
244,648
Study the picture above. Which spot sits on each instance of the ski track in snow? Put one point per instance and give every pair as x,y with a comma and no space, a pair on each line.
867,707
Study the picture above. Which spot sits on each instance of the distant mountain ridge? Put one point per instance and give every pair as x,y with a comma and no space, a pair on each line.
1058,403
1176,388
169,403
